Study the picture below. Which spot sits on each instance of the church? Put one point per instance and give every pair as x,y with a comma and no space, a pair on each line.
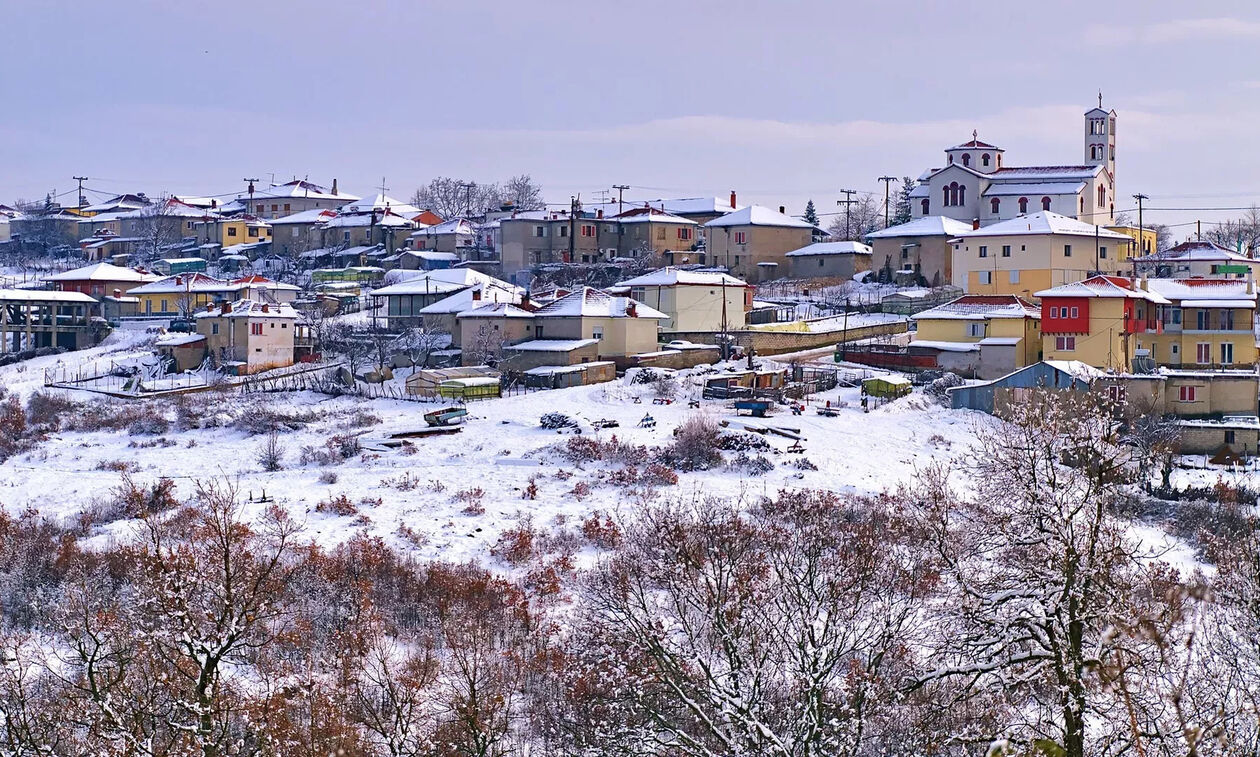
975,187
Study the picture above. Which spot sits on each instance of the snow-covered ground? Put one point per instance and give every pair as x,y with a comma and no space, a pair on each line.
499,450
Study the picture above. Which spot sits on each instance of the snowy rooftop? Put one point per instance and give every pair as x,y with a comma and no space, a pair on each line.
978,307
42,295
103,272
1043,222
674,277
1044,173
347,219
927,226
592,303
553,345
249,309
758,215
437,282
831,248
1039,189
1202,251
1211,292
299,188
453,226
496,310
314,215
381,202
468,298
1103,286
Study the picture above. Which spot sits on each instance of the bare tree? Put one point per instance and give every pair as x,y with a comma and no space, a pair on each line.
419,344
522,192
156,229
865,215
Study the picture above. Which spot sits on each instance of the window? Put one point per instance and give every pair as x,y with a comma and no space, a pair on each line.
1102,197
345,236
1227,353
1186,393
984,251
995,205
684,234
975,330
540,231
1006,250
1023,204
286,207
660,233
986,277
1229,436
1065,343
1227,320
1117,394
1203,353
259,208
1075,312
962,195
1176,350
924,205
966,159
232,231
295,233
1067,250
164,310
945,196
256,329
588,230
564,232
1102,252
1045,203
275,207
1201,320
597,332
253,232
820,262
214,329
1054,312
1013,277
984,160
741,237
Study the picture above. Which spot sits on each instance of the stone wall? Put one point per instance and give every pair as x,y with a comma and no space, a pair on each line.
778,342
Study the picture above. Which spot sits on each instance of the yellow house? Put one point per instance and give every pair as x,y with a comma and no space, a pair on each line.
621,325
183,294
1206,323
1039,251
693,300
1099,321
1144,240
992,335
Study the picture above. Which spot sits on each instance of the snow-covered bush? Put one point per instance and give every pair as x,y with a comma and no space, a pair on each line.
947,381
741,441
695,445
554,421
47,410
756,465
271,453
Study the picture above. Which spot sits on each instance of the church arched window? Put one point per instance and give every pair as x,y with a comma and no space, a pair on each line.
924,203
999,165
995,204
1102,197
984,160
1023,204
1045,203
966,159
962,195
951,160
945,196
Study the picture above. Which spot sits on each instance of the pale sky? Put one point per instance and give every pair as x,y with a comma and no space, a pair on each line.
780,101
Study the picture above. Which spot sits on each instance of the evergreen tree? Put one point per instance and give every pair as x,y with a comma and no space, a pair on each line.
811,214
902,213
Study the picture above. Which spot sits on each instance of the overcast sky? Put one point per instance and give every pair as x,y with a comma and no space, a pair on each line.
780,101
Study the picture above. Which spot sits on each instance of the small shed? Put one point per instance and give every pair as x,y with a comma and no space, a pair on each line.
562,376
426,383
886,387
471,388
172,266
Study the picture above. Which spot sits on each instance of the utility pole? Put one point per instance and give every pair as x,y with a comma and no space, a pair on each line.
1096,271
1198,230
887,182
848,202
82,199
250,189
575,207
1139,197
620,189
468,188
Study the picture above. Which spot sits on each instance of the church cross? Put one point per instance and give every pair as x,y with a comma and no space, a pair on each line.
975,135
1100,98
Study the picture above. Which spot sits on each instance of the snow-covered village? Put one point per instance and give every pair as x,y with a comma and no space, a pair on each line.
744,394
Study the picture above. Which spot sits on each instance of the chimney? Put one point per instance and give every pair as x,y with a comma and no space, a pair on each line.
118,293
782,210
179,281
476,295
227,307
975,224
631,310
732,198
214,204
525,301
265,308
599,213
334,187
1145,284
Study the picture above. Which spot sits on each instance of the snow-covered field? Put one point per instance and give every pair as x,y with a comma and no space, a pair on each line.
500,450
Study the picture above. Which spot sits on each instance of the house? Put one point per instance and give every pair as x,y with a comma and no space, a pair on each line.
405,300
1034,252
522,357
916,252
299,232
1205,323
622,326
490,327
381,203
1197,259
975,186
693,300
1097,321
106,245
984,336
648,232
829,260
752,243
374,227
163,223
292,197
1213,410
182,294
170,266
457,235
100,280
248,336
226,231
442,316
538,237
45,229
183,352
701,210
